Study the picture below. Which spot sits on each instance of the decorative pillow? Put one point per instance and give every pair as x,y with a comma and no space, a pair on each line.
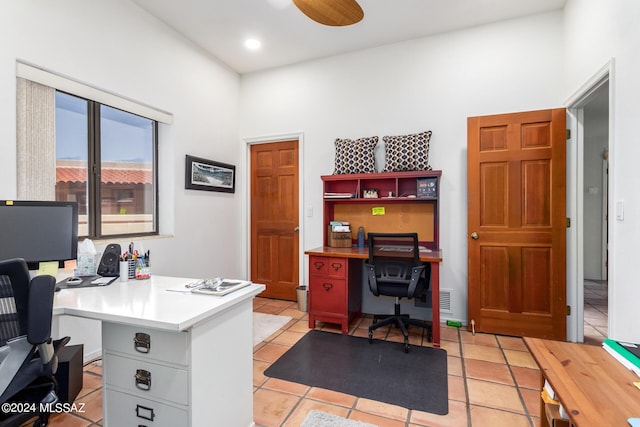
407,152
355,156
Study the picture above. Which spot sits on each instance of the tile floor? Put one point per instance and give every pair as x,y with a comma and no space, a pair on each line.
595,311
493,380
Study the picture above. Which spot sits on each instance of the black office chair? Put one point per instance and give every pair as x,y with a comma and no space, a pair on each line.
28,359
394,269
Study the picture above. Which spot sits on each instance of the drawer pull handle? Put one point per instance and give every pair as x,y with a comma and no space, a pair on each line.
336,266
327,286
318,265
143,379
145,413
142,342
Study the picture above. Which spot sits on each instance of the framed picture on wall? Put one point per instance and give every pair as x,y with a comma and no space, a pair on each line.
208,175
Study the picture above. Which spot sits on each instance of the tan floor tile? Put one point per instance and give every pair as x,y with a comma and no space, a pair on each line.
454,365
268,309
531,400
90,382
520,358
487,417
330,396
526,377
300,326
482,352
494,395
258,372
488,371
293,312
456,388
452,347
288,338
376,420
306,405
382,409
449,333
479,338
93,406
95,367
270,353
67,420
512,343
282,304
270,408
457,416
285,386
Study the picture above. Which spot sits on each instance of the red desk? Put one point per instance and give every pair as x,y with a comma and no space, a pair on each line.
338,273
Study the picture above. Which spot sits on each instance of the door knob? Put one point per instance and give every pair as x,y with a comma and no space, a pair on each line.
296,229
474,236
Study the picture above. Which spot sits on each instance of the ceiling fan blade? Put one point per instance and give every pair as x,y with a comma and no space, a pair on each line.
336,13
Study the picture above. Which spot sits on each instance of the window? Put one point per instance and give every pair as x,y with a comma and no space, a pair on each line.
106,160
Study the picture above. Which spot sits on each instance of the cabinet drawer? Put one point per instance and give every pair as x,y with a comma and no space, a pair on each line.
328,295
171,347
328,266
146,379
127,410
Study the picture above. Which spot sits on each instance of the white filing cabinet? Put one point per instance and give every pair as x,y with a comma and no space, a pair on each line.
146,376
191,363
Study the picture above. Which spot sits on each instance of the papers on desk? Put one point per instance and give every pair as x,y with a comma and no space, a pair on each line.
217,286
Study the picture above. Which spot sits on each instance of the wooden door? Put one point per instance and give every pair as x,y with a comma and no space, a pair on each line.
274,218
516,224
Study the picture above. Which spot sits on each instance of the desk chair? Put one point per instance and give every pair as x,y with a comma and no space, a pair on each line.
394,269
27,354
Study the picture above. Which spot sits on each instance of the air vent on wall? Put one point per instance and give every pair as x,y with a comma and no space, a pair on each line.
445,300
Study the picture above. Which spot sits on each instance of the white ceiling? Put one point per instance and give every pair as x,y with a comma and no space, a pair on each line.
288,36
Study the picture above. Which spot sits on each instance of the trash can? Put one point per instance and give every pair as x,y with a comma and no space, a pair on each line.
301,293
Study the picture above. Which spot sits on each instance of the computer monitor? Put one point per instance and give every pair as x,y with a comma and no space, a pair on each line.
38,231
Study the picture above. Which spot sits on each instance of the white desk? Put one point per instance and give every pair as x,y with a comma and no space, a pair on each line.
199,359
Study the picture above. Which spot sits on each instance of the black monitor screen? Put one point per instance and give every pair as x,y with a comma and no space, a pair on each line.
38,231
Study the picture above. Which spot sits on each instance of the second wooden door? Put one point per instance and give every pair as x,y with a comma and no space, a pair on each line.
517,224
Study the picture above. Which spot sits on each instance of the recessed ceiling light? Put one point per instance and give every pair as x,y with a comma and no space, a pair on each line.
252,44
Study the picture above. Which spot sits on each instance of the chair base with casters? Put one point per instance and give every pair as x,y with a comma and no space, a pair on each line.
402,321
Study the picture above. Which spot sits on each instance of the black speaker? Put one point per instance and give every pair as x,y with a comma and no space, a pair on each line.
69,373
109,266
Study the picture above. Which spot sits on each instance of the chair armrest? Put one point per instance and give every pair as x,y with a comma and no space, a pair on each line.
416,274
371,274
40,310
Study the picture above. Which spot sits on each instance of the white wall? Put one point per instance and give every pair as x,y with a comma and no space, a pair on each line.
119,48
596,142
433,83
595,32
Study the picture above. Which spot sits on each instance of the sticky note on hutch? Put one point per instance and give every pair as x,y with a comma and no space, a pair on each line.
377,211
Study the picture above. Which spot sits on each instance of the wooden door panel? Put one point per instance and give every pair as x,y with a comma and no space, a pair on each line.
494,198
536,193
516,201
274,218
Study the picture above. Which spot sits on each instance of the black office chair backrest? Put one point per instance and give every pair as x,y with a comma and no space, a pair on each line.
402,247
393,255
14,291
394,267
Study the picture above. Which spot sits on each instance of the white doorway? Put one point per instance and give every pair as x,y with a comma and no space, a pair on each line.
589,118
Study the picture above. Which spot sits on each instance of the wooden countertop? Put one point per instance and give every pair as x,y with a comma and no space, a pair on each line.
593,387
363,253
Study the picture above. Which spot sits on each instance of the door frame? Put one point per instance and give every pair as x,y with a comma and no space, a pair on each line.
575,198
246,187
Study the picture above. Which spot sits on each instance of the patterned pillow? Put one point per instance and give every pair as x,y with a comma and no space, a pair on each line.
355,156
407,152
